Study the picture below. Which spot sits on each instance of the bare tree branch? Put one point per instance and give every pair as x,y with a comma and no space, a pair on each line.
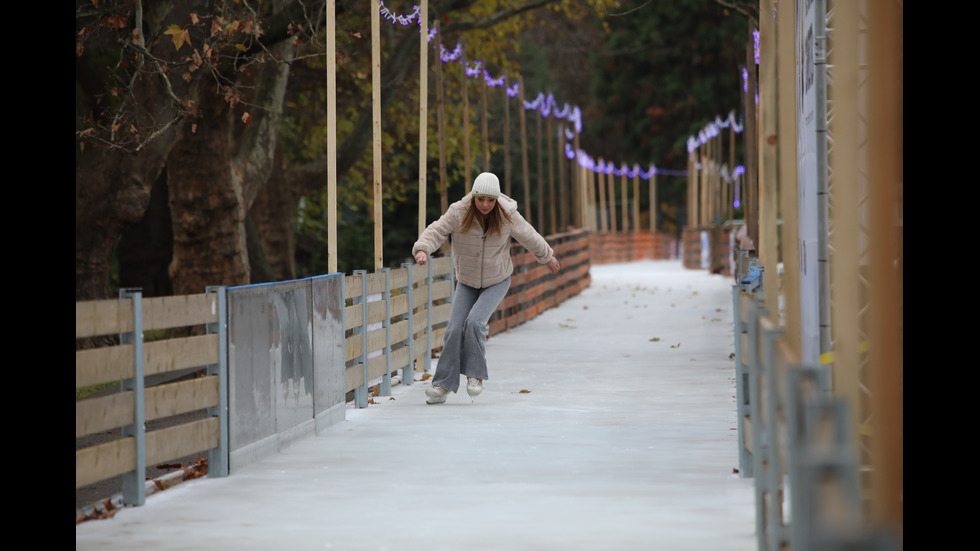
495,18
749,10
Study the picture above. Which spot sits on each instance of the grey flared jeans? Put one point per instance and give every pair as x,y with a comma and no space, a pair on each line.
464,343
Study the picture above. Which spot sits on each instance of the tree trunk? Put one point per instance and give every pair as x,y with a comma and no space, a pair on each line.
208,209
112,192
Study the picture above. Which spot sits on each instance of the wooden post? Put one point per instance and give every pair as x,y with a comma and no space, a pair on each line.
692,188
844,186
768,189
578,207
506,98
541,186
886,177
484,132
787,174
441,122
524,163
636,197
703,189
562,179
331,28
551,179
601,182
376,110
653,199
611,183
730,189
591,179
423,108
750,189
467,169
624,206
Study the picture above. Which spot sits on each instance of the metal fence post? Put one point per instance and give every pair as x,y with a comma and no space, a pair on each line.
133,484
745,467
759,436
361,392
385,387
428,323
771,477
218,457
408,373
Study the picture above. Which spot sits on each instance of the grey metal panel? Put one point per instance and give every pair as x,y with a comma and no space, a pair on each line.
291,327
329,371
250,381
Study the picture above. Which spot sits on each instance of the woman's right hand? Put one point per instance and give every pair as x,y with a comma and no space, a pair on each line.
421,258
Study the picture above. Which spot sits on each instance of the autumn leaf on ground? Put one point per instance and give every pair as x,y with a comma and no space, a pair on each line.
678,345
655,339
426,376
524,391
178,35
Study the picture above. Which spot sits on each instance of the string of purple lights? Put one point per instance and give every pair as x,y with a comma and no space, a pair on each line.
546,105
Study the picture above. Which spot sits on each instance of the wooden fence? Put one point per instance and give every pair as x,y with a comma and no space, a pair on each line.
627,246
130,361
393,319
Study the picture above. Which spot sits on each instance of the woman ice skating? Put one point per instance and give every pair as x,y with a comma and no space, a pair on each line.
481,225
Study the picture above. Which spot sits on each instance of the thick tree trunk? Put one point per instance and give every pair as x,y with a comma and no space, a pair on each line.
112,192
208,209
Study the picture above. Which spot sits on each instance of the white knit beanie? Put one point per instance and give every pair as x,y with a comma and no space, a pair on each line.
486,184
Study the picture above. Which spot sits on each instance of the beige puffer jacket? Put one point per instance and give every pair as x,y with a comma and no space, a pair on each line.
482,261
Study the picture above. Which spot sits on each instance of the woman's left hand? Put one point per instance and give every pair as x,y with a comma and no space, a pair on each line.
553,265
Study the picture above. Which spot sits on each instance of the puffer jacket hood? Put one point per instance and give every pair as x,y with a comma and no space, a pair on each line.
482,260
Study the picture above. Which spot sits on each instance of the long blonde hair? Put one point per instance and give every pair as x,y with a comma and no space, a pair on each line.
495,220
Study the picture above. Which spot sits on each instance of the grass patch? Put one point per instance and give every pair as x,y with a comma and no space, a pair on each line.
87,391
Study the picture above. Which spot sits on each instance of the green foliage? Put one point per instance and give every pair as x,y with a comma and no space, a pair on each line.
664,71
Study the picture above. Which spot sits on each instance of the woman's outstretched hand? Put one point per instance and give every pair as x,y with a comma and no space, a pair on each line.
421,258
553,265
